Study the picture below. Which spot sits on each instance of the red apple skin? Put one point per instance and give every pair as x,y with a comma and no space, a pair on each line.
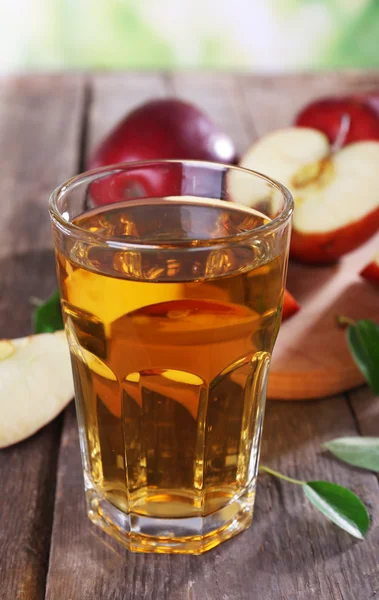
159,129
290,306
368,98
326,115
327,248
371,272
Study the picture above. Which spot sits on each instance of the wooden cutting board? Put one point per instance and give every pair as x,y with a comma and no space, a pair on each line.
311,358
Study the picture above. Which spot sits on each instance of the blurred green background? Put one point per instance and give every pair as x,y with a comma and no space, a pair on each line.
240,34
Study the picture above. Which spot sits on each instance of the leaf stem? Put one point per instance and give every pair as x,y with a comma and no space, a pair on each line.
345,321
34,301
264,469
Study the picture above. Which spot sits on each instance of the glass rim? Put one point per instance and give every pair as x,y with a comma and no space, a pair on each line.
70,228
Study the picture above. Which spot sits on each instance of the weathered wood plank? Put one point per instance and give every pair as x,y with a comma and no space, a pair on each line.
314,559
109,97
273,101
113,95
366,409
28,472
221,99
290,552
39,132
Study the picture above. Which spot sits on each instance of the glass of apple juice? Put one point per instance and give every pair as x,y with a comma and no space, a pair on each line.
171,278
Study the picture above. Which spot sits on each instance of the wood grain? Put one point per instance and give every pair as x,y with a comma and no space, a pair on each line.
221,99
113,95
39,129
290,552
76,545
311,357
273,101
366,410
28,472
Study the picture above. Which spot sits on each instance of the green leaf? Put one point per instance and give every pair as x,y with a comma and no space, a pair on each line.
48,316
363,340
339,505
358,451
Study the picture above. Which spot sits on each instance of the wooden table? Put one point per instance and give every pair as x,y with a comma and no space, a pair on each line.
48,548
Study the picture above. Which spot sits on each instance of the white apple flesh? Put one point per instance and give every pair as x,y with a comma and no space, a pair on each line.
35,384
336,194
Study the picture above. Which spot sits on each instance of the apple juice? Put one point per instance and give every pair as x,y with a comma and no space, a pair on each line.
170,350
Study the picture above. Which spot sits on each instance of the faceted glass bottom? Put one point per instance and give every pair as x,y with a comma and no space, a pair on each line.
189,535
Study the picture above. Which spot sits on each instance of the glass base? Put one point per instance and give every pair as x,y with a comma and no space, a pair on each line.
190,535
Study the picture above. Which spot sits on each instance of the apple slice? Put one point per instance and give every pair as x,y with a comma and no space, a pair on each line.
35,384
290,306
371,271
336,194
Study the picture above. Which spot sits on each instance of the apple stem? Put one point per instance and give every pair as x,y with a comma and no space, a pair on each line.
344,128
344,322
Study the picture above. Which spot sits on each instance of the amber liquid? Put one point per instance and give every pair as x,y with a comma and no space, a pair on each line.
170,351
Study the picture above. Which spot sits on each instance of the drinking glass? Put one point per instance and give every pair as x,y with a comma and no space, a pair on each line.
171,276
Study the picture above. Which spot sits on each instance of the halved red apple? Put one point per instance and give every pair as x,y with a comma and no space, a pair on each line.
343,120
290,306
371,271
336,194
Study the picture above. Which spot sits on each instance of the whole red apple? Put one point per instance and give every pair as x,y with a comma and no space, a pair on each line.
343,120
159,129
